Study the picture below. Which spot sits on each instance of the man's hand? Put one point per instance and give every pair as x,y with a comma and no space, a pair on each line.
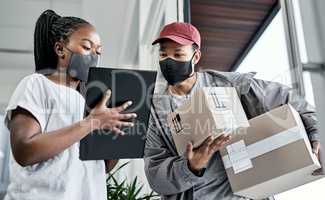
200,156
316,150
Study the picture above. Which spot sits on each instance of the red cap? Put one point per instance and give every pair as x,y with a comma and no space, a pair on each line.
182,33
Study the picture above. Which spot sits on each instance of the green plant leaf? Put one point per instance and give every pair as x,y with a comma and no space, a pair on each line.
123,191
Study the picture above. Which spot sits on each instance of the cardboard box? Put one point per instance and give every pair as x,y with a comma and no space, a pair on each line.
271,156
210,110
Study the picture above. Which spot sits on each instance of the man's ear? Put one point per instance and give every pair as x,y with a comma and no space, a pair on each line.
197,57
59,50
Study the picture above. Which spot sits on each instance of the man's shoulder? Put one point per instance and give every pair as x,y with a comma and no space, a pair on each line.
233,77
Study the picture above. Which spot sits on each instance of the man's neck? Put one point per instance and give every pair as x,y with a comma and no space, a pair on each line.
184,87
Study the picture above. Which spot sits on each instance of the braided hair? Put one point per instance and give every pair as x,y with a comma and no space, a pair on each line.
51,28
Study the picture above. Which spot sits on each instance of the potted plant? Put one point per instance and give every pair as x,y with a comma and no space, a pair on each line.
126,191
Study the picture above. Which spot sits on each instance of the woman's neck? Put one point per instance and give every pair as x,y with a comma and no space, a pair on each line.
62,78
184,87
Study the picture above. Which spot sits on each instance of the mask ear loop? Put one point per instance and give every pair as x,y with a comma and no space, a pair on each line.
69,49
67,70
192,65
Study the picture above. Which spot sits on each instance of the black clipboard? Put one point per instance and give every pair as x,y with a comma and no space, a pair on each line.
135,85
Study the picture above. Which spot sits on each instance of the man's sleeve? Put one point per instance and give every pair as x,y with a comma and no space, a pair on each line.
270,95
167,174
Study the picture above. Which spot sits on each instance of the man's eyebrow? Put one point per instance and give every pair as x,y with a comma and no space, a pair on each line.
179,50
176,50
86,39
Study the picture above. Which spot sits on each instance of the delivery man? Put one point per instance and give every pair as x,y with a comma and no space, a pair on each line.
200,174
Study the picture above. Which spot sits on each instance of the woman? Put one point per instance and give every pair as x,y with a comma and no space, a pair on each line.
45,116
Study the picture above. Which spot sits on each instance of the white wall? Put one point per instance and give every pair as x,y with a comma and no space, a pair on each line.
17,20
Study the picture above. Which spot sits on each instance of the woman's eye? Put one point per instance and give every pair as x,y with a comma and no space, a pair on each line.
86,48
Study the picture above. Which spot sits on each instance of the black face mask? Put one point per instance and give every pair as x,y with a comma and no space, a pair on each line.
176,71
79,65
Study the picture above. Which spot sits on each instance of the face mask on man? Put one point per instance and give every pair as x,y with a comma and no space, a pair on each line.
176,71
79,65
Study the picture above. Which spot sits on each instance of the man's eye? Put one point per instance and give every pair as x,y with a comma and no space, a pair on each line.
178,55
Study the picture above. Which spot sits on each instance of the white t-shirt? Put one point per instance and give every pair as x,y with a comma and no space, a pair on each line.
65,176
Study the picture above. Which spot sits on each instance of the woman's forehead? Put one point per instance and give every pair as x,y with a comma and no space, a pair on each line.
86,33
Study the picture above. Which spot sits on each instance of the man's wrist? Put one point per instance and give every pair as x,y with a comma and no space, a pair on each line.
314,137
196,170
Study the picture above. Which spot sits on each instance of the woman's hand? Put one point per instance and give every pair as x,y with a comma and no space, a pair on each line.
102,117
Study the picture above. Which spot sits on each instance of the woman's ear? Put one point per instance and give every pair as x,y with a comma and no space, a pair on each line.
63,54
197,57
59,50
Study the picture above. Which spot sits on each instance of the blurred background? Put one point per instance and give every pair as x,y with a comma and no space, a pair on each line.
281,40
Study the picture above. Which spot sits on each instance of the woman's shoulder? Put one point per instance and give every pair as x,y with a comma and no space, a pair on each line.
37,82
31,85
39,85
28,95
32,80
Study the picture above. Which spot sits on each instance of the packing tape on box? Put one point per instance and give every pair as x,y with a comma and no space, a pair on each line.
240,156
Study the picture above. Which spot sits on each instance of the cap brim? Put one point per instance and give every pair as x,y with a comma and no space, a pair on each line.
177,39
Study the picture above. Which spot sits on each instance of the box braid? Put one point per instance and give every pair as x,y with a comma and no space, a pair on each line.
51,28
